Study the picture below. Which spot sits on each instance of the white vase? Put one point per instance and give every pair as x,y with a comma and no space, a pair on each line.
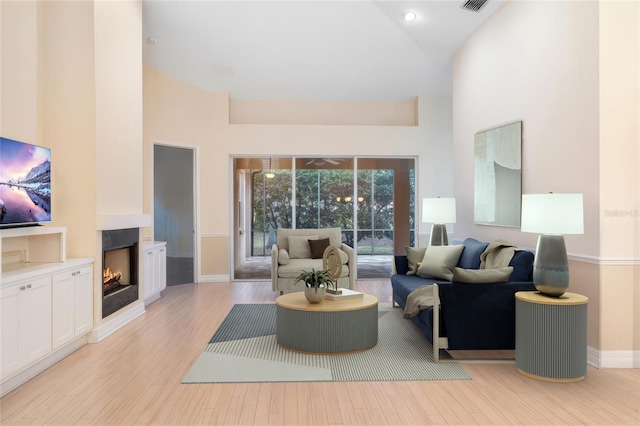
314,294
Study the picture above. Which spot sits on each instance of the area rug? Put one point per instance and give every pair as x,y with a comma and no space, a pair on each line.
244,349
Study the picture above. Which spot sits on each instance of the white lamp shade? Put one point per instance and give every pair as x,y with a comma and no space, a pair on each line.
439,210
552,214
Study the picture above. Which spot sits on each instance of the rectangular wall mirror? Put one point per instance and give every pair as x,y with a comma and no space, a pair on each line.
498,175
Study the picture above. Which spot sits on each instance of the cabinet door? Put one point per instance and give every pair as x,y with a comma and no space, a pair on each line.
9,330
161,271
35,320
63,307
83,287
149,277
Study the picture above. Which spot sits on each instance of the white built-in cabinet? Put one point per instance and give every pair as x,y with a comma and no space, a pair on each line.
72,304
155,270
46,302
26,323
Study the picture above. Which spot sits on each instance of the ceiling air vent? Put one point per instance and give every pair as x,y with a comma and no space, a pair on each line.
473,5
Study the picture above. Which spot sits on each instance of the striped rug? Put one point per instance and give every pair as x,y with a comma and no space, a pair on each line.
244,349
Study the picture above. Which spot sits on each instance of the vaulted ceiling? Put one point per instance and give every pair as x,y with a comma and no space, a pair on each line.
310,50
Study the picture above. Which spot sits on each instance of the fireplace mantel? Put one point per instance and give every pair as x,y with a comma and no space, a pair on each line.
122,221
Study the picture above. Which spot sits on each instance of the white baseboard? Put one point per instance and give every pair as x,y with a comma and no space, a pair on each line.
214,278
102,331
149,300
30,372
613,359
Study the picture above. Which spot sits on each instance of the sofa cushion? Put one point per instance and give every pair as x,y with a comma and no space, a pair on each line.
318,247
283,257
401,264
299,246
439,261
414,256
522,262
403,285
470,257
497,275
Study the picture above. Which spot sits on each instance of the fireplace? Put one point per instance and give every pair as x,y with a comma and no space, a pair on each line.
119,269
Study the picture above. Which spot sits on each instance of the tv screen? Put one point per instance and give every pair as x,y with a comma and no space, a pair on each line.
25,183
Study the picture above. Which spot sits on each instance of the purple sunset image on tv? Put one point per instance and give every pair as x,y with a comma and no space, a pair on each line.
25,183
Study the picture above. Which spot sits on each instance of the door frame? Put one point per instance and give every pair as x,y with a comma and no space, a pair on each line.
197,276
232,195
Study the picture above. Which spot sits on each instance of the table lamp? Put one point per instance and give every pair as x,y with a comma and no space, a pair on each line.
439,211
552,216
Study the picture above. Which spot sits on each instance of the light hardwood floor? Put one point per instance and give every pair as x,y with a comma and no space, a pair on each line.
133,377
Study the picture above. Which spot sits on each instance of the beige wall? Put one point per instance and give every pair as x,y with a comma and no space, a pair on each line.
72,81
569,71
399,113
179,114
536,62
19,71
118,86
619,155
68,115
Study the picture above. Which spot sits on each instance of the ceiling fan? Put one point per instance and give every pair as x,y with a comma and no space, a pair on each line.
323,161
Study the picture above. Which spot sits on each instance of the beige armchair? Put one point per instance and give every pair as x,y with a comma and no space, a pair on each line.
292,254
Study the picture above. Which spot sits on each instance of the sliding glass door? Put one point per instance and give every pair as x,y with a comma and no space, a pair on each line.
371,199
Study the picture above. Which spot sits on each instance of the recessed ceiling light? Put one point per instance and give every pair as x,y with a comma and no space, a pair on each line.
409,16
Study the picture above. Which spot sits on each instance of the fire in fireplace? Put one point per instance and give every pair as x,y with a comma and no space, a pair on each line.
120,269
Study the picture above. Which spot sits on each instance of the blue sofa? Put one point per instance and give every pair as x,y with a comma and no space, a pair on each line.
467,315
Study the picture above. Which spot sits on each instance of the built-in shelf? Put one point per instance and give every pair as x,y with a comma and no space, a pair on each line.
33,247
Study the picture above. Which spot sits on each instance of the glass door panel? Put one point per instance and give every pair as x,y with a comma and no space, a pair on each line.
386,199
324,194
263,203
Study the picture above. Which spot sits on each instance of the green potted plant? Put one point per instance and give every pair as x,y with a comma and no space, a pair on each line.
316,283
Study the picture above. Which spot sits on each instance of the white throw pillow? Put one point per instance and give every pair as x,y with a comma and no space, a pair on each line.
283,257
299,246
414,257
439,261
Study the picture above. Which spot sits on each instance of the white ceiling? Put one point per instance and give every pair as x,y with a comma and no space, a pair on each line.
310,50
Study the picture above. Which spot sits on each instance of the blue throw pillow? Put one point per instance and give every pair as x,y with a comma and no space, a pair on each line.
470,258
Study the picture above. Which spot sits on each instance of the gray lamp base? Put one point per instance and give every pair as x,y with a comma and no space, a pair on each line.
439,235
550,266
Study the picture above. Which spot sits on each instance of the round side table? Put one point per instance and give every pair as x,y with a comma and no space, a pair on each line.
551,336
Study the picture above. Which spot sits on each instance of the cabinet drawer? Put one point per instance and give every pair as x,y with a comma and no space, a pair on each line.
73,273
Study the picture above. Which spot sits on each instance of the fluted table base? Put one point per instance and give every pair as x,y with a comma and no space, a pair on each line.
328,327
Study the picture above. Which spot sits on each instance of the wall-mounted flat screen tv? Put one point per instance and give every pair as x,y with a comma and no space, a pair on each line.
25,183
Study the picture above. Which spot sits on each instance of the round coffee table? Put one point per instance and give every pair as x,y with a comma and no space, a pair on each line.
328,327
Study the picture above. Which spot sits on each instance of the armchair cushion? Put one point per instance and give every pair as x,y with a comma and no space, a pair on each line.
283,273
344,257
299,246
283,257
318,247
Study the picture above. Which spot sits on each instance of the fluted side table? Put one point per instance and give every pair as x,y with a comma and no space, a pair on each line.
551,336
